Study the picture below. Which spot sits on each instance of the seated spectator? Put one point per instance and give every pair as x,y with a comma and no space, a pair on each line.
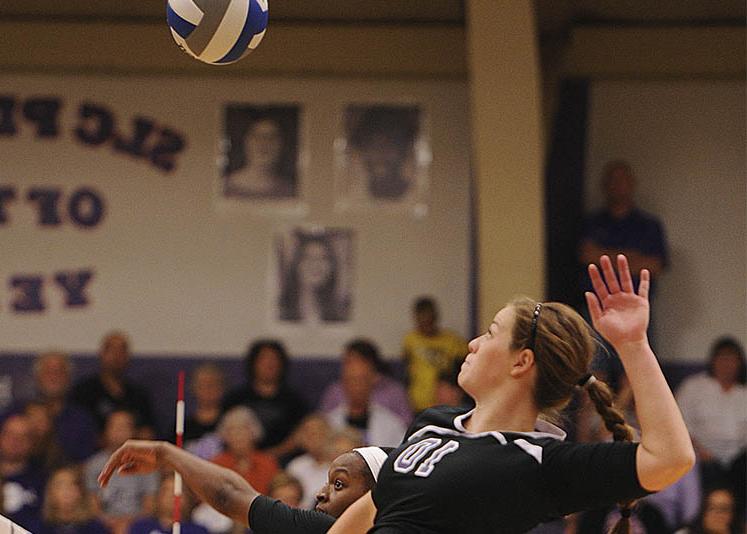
67,507
207,447
378,425
45,450
109,390
311,467
162,519
212,520
344,440
241,430
448,392
713,406
287,489
22,482
208,388
717,515
678,504
126,498
429,350
74,428
387,392
267,393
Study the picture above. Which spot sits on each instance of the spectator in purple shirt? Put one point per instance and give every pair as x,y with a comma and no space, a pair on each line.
22,482
74,428
387,391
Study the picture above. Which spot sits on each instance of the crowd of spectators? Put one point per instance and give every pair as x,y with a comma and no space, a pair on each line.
53,446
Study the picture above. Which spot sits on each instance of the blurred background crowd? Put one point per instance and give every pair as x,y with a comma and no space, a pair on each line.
55,440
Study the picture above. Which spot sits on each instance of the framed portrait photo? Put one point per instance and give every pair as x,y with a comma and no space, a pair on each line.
382,157
260,152
314,275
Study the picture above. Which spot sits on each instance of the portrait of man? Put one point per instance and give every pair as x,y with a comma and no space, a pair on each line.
315,272
260,152
380,161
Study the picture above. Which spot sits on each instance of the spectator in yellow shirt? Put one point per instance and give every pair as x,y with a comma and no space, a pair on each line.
428,351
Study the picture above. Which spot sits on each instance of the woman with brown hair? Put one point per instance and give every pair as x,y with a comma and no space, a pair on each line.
502,467
67,507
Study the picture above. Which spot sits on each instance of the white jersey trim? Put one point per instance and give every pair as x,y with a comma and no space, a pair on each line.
543,429
451,432
535,451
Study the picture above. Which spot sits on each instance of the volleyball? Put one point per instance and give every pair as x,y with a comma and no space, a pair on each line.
217,32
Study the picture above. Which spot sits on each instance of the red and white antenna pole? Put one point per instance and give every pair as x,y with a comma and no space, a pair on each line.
177,528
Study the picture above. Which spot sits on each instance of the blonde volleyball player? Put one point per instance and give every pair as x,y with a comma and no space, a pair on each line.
500,468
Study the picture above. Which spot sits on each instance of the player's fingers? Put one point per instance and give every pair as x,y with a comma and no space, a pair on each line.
623,269
609,274
104,477
597,283
130,468
644,284
109,467
595,310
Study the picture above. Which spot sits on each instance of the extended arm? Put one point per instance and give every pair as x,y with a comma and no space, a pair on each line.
357,519
221,488
665,453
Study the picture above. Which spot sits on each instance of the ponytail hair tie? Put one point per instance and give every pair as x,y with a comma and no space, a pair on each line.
625,513
586,381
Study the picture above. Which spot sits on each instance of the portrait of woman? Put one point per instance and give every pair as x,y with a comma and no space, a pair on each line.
261,152
381,160
314,271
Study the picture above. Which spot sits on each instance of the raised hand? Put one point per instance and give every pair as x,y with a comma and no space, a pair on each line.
134,457
617,312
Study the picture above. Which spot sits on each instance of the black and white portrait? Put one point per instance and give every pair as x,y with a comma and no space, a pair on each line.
260,152
315,274
382,157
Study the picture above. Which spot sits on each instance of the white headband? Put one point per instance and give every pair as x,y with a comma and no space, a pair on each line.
374,458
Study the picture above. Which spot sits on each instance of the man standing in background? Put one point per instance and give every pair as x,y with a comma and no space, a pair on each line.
622,228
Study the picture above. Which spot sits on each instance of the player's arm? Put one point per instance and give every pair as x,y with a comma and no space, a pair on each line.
357,519
221,488
665,453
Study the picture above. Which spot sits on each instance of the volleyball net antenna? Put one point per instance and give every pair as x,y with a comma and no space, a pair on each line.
177,527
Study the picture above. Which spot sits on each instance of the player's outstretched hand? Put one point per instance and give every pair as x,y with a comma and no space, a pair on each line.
617,312
133,458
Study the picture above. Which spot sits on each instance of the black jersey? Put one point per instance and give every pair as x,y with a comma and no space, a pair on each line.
270,516
446,479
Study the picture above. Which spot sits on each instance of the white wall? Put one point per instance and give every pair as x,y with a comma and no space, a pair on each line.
184,277
686,142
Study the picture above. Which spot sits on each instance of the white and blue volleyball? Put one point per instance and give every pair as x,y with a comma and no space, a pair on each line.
217,31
